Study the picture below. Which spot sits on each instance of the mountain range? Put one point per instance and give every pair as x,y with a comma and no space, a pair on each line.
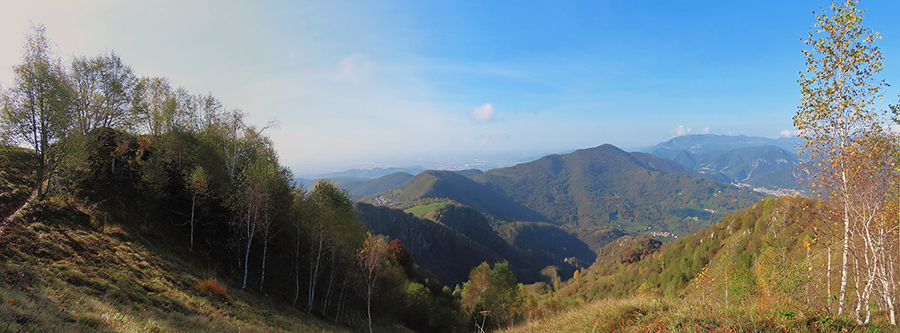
772,166
595,193
705,143
561,209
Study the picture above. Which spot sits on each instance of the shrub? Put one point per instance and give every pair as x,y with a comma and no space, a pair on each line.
212,286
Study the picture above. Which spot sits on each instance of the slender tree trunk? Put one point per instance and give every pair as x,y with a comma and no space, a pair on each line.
247,258
888,291
249,236
193,205
297,270
330,283
337,314
369,305
262,274
313,276
843,291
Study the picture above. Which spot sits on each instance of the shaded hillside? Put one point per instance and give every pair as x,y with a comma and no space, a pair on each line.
704,143
451,185
527,244
16,179
536,238
63,272
594,189
115,261
434,247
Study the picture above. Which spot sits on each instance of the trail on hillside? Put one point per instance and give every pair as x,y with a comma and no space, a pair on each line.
17,211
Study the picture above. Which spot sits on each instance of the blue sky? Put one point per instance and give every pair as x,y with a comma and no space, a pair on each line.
450,83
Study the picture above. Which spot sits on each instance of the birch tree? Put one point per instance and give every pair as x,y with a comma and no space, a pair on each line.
838,90
198,185
154,105
236,136
372,262
103,87
36,110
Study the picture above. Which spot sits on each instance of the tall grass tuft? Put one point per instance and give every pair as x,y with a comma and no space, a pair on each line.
212,286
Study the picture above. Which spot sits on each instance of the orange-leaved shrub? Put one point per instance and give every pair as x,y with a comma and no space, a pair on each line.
213,287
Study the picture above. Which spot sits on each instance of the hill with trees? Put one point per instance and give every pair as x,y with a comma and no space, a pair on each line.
598,193
143,207
592,191
459,188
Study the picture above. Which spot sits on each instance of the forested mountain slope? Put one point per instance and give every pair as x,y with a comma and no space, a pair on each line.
462,189
597,193
593,190
434,247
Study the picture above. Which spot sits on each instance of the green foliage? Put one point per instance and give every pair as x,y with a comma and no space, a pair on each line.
741,254
36,111
427,311
492,297
102,93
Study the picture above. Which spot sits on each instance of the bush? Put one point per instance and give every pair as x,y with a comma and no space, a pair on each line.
213,287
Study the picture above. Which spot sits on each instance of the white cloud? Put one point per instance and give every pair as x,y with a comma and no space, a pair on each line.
681,131
705,130
483,113
789,133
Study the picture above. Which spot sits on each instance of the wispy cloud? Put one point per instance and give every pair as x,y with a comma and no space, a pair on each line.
483,113
681,131
789,133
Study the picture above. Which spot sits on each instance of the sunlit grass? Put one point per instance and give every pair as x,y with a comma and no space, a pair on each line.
661,314
425,209
59,273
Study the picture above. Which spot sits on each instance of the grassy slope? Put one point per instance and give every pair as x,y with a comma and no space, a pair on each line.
418,211
16,181
67,267
757,254
654,314
62,273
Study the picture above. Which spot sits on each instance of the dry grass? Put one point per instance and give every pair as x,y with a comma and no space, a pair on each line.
61,273
649,314
212,286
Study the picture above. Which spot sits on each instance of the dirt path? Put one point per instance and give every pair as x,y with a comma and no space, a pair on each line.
17,211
